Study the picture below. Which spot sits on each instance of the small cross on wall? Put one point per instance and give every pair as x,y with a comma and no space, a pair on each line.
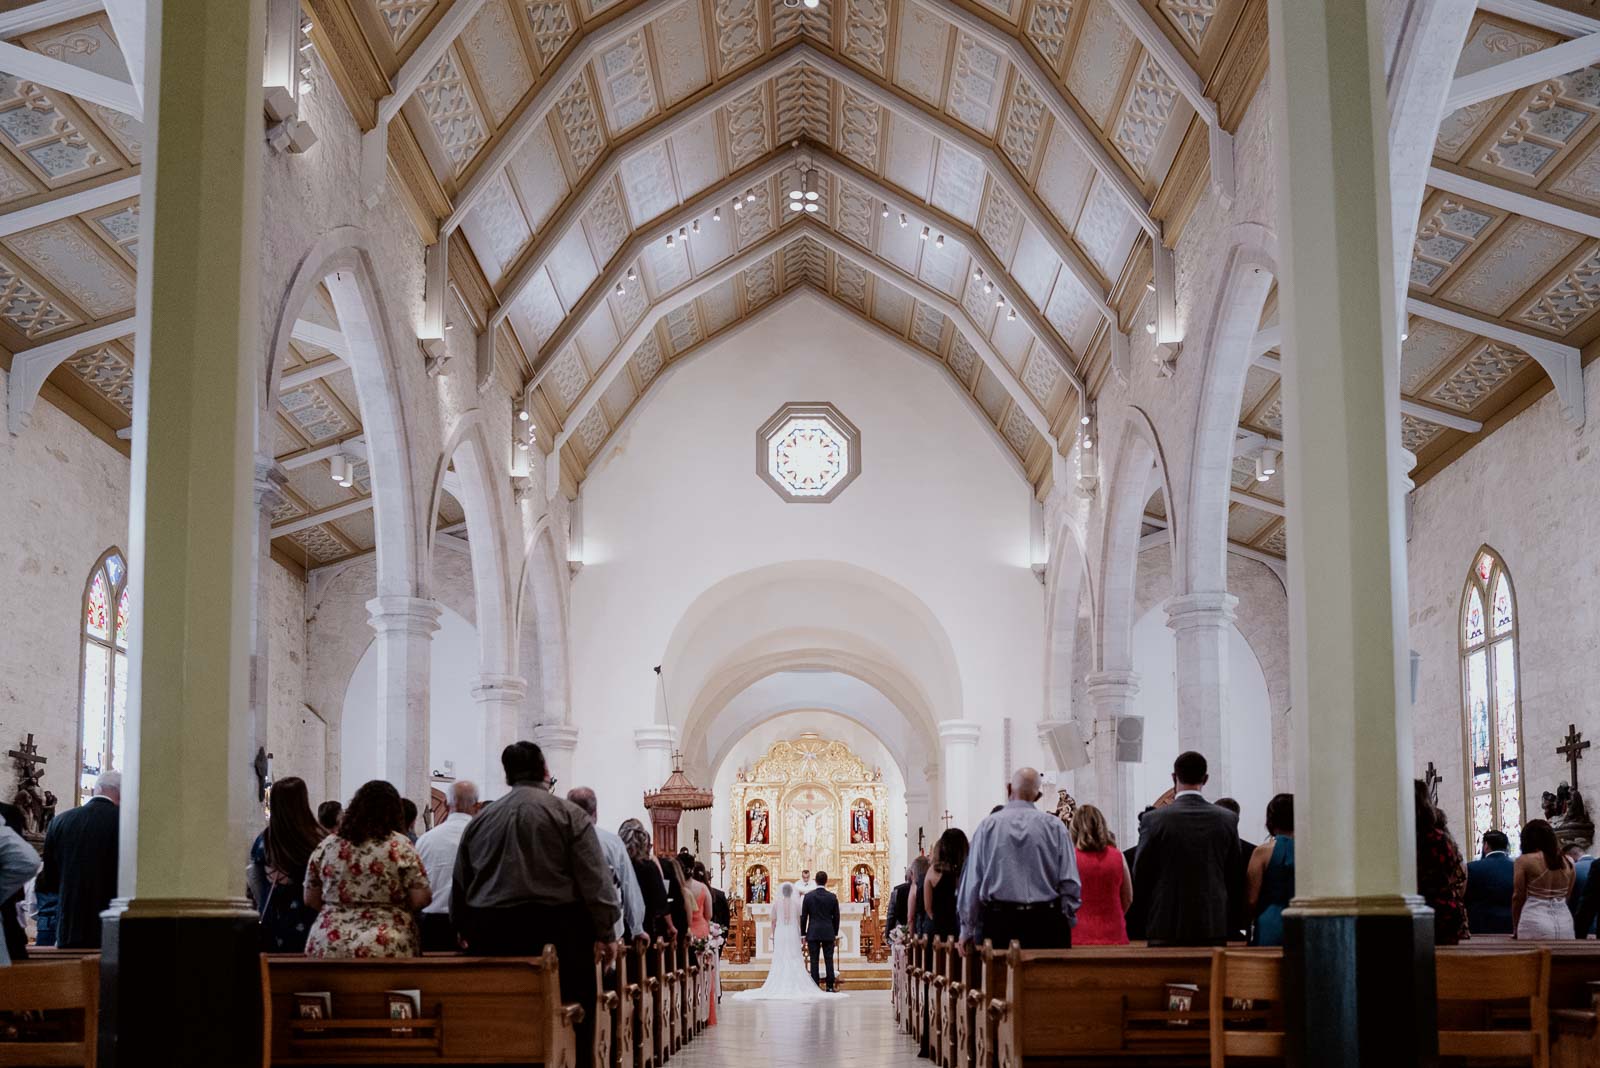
1573,750
1431,778
947,817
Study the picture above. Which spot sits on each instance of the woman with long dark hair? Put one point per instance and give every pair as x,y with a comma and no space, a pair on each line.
1542,884
1441,876
368,881
1270,875
944,876
278,862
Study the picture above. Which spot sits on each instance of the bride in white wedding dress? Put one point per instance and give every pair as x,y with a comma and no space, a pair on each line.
787,978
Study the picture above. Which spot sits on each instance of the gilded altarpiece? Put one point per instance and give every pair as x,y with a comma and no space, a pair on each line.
810,805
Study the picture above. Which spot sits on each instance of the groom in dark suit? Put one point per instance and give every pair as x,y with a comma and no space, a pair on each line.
819,926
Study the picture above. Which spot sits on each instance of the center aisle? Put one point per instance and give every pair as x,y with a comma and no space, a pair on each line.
856,1032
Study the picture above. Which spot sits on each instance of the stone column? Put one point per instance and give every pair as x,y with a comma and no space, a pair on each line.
559,741
959,740
1111,695
919,815
268,494
655,744
404,627
501,697
1202,623
1358,953
188,806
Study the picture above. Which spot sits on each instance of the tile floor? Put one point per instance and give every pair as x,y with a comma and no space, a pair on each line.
857,1032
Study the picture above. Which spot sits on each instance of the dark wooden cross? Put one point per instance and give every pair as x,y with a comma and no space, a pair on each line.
28,759
1573,750
1431,778
947,817
722,862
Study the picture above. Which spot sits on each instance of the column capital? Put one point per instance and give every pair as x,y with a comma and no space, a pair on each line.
959,732
1208,608
658,736
414,615
499,688
561,736
1112,684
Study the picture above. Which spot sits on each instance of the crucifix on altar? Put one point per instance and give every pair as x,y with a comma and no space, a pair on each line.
947,817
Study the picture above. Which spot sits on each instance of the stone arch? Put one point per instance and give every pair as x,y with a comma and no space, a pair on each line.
343,258
488,514
1248,277
1068,585
1140,468
544,658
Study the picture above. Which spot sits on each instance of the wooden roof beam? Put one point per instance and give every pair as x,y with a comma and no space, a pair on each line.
1520,73
63,77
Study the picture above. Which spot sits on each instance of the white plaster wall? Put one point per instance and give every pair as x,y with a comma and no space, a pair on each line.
63,502
1527,491
296,736
676,505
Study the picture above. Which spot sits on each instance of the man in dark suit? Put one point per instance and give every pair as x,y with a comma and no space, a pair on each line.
1135,914
719,908
80,863
1489,885
819,926
898,897
1239,898
1187,863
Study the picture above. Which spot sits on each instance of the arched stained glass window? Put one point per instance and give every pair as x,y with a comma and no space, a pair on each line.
103,700
1492,699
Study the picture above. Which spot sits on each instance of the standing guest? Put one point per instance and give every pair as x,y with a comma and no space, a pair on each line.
1491,879
437,849
18,864
1239,909
658,921
408,814
12,931
80,863
943,881
1544,880
720,914
630,923
530,873
367,880
1021,880
278,862
899,898
1107,881
918,922
1270,877
1581,863
1188,861
699,893
328,814
679,903
1136,911
1441,877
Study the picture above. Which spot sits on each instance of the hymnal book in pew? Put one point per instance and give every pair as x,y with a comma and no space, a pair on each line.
403,1005
313,1005
1181,998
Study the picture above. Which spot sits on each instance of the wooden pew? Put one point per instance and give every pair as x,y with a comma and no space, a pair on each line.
934,1046
624,1037
475,1010
646,993
605,1020
70,987
984,1001
1245,976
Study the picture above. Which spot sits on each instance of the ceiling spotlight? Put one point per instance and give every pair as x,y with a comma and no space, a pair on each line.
632,274
940,242
812,4
796,194
738,205
305,26
1083,420
716,214
812,207
305,46
339,467
903,220
1149,287
1088,442
683,233
749,196
811,194
977,274
1011,315
926,233
621,292
694,227
1404,334
670,240
988,287
522,414
1261,473
1269,462
798,205
1150,327
523,445
885,211
999,300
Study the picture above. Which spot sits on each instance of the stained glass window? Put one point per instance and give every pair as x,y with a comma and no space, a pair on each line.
1490,693
808,452
103,706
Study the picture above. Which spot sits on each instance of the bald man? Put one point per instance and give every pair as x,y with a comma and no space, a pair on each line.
437,848
1021,878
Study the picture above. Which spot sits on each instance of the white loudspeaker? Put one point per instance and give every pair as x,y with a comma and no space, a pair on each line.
1130,739
1065,742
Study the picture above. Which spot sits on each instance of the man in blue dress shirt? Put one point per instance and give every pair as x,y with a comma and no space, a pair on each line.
1021,878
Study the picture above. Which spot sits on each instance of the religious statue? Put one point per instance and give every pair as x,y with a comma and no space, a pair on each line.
1572,825
38,805
756,831
756,886
861,823
861,885
1066,808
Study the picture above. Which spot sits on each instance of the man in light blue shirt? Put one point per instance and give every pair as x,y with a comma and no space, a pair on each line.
631,923
1021,878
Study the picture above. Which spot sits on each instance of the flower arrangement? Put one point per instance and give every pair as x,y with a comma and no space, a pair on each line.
710,944
898,936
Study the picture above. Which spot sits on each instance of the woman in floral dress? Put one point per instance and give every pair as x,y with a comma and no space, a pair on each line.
368,881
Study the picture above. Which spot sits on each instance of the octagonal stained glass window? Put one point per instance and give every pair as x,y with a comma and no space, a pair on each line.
808,452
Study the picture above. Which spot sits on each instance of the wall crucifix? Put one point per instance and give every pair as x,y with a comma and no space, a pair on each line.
1573,750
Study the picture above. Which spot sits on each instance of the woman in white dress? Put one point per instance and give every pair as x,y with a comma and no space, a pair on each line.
787,977
1542,882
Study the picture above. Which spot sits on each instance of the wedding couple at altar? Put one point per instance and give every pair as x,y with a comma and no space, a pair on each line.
800,920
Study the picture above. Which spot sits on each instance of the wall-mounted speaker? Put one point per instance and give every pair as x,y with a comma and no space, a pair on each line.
1065,742
1130,739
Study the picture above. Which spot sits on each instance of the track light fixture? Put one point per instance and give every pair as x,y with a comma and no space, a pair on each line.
716,214
621,291
738,204
977,274
885,213
1269,462
940,242
1150,327
632,274
683,233
1011,315
695,227
1149,287
999,300
926,233
671,239
1261,473
522,414
903,220
749,196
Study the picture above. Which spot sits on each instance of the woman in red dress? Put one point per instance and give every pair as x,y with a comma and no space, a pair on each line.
1107,884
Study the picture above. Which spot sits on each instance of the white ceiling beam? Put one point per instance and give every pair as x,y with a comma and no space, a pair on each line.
127,23
551,236
514,136
1247,441
1260,504
1520,73
1563,363
301,376
1266,339
1073,258
68,205
1085,139
1162,540
341,510
354,445
1167,57
1533,207
426,56
30,367
65,78
1416,409
325,337
1545,16
44,14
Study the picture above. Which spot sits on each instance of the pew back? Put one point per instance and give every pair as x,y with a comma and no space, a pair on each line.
58,986
475,1010
1482,979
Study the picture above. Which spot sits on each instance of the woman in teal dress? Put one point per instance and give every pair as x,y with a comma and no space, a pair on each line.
1271,873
